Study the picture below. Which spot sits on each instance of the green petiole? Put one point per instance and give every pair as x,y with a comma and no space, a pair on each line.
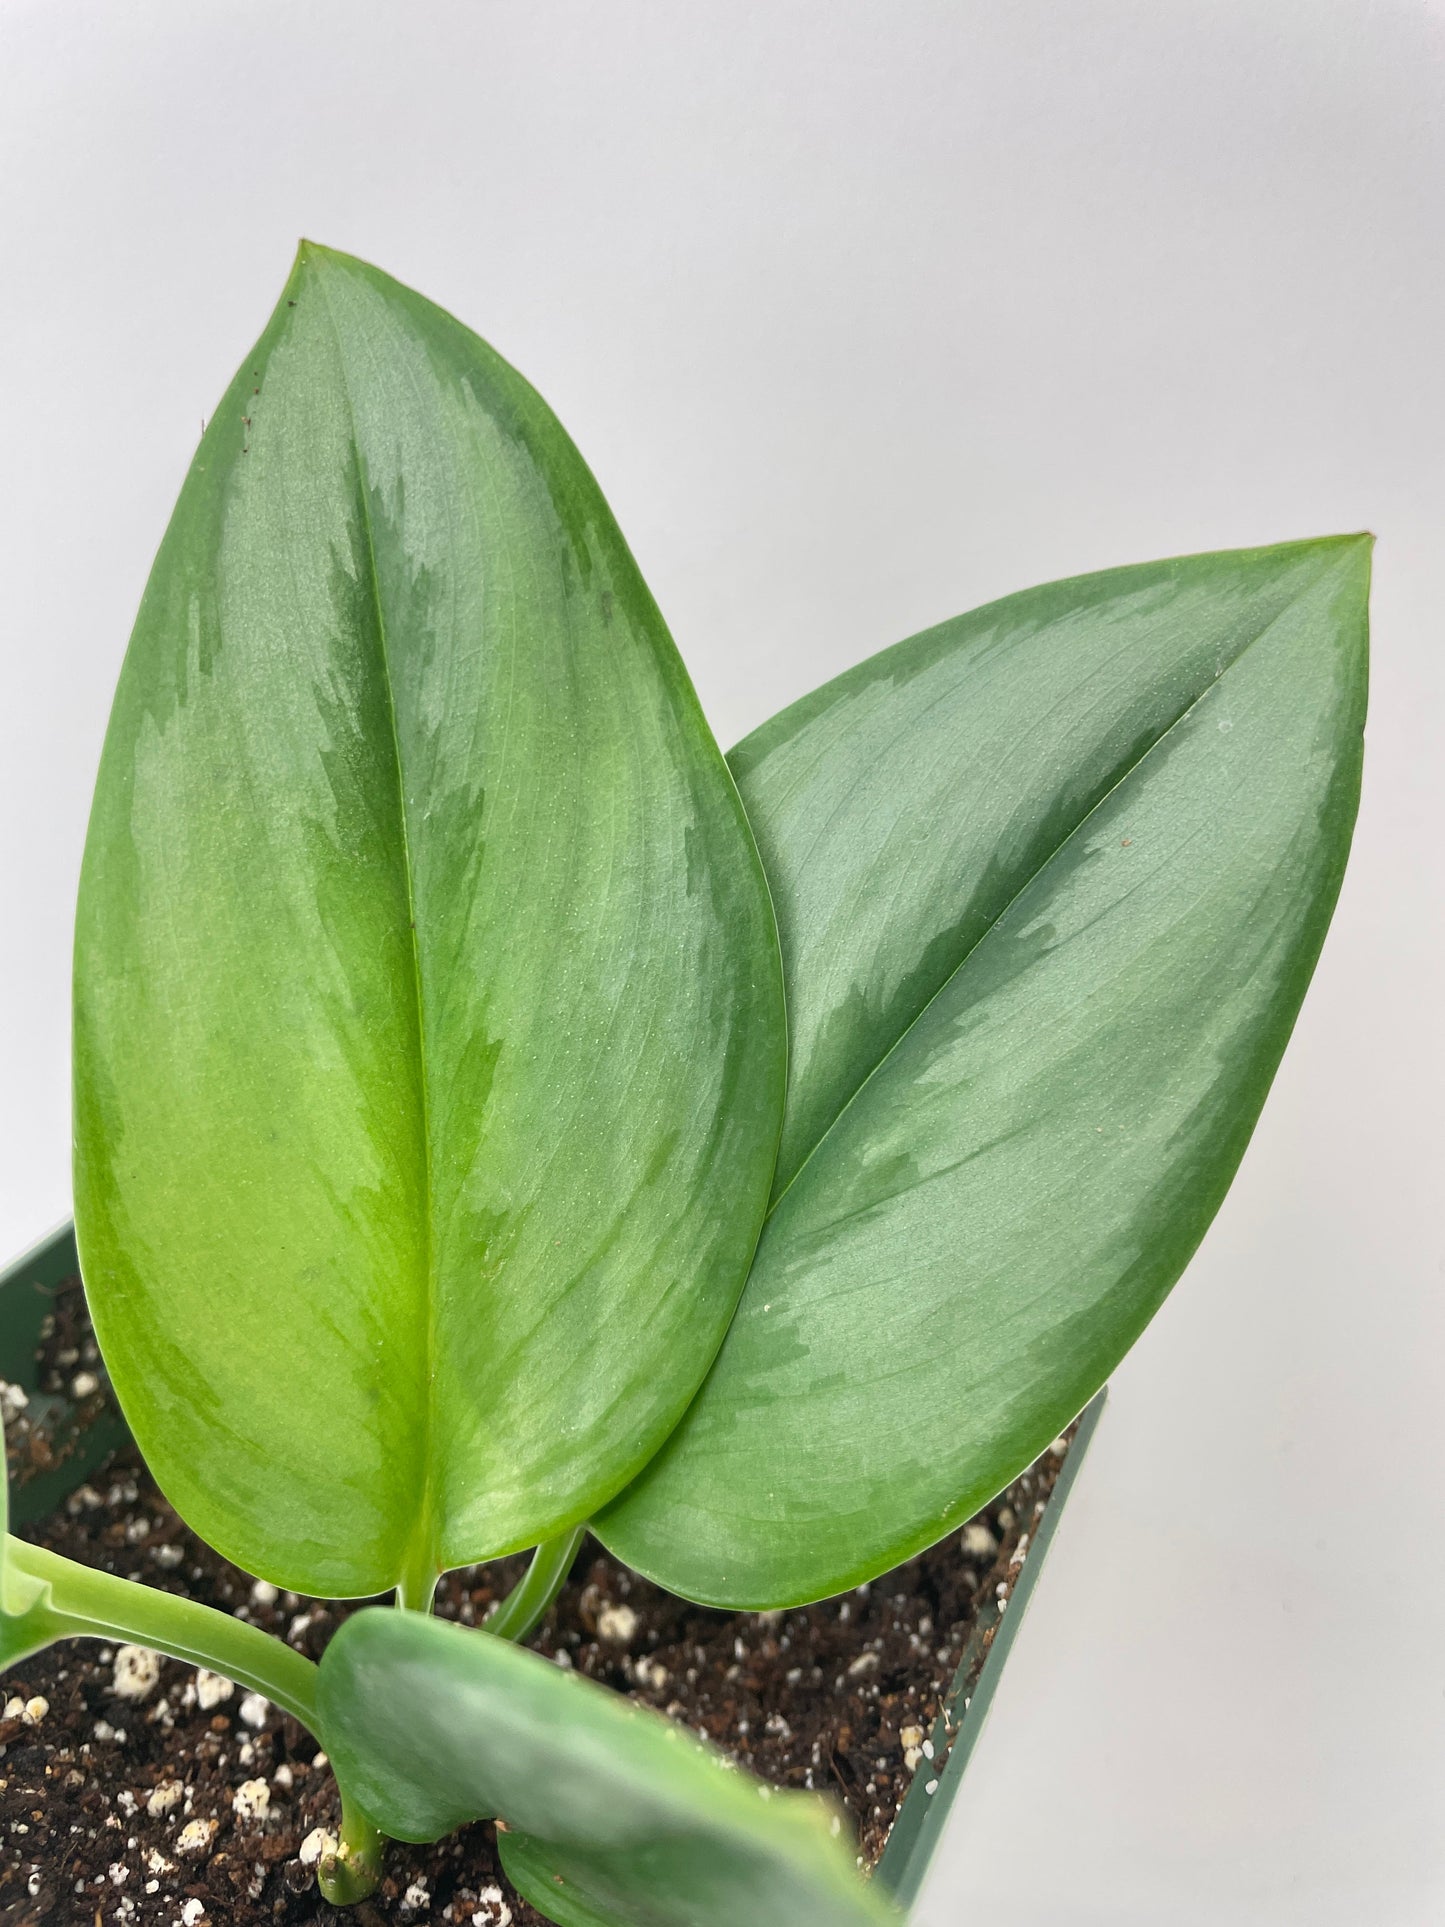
59,1599
78,1601
539,1585
64,1600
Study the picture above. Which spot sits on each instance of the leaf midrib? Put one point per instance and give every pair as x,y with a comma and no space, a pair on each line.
418,1561
1027,884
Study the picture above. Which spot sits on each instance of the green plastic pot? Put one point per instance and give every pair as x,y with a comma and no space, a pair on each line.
27,1291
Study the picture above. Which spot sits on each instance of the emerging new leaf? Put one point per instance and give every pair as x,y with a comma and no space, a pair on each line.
1051,880
429,1039
615,1816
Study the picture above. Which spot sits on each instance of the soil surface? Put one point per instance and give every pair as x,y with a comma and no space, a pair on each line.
138,1791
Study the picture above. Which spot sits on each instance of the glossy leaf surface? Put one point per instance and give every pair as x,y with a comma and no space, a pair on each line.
616,1817
1051,881
427,990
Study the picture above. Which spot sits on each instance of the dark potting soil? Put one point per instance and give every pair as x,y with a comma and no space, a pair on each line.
137,1791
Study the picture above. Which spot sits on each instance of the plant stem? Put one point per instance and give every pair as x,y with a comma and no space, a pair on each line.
539,1585
416,1586
82,1601
415,1591
352,1872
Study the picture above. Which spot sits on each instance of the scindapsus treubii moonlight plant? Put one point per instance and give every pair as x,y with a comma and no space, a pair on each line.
498,1114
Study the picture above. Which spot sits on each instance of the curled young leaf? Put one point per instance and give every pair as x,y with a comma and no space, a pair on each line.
1051,881
427,990
614,1816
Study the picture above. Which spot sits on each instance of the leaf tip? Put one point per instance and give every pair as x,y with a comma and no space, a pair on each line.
1356,546
1353,556
311,255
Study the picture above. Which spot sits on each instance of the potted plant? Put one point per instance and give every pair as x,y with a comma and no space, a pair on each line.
498,1115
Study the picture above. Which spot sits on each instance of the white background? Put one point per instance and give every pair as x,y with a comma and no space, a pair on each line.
864,315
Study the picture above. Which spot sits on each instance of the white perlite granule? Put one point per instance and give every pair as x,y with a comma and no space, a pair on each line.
212,1688
162,1798
137,1672
196,1836
254,1708
251,1800
617,1625
317,1844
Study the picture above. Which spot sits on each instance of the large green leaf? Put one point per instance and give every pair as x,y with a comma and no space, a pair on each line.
1051,880
617,1817
427,991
